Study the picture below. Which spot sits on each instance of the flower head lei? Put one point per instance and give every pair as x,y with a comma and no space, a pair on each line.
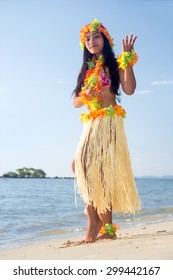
94,26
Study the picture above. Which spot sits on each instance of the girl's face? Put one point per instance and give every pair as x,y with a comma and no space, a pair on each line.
94,42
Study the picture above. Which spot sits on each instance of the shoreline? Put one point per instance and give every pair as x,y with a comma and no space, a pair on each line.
149,242
163,177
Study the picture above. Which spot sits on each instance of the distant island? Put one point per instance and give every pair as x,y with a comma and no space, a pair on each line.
30,173
25,173
40,173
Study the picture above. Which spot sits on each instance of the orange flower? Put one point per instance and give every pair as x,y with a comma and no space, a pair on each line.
119,110
110,228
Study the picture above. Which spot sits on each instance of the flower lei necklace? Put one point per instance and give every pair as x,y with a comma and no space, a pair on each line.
96,77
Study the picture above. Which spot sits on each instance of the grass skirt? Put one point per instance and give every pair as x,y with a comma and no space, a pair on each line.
103,169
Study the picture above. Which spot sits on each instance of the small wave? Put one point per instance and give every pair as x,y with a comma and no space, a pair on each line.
157,210
54,232
2,230
60,231
75,230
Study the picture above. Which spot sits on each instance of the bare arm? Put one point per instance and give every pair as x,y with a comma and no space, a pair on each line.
127,80
76,102
127,77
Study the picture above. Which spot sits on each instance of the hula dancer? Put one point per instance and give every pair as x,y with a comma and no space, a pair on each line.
102,164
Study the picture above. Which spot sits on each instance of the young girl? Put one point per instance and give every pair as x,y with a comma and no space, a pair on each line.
102,163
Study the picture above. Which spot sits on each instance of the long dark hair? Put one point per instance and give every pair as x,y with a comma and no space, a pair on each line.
109,62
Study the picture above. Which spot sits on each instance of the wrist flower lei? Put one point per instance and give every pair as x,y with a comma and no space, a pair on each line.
127,58
91,95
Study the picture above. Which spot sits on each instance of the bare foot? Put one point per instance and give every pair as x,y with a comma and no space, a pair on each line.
93,231
106,236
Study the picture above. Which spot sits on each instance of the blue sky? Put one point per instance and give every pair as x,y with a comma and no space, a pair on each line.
40,58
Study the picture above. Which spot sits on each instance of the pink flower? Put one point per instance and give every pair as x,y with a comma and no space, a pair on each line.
104,80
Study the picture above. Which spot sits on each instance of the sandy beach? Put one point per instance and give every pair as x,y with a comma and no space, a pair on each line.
151,242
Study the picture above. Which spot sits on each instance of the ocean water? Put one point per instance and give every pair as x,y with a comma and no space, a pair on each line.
33,210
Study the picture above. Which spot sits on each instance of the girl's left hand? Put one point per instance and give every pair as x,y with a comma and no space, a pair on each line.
128,43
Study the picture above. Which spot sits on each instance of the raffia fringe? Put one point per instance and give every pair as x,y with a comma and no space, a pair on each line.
103,169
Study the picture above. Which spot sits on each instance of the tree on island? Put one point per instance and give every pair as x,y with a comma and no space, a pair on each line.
26,173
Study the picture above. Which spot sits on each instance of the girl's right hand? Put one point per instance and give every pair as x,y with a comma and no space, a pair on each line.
128,43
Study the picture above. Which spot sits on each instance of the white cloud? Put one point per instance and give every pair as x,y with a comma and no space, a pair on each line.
158,83
145,91
60,81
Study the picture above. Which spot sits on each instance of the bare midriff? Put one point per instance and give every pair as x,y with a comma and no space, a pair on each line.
108,98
